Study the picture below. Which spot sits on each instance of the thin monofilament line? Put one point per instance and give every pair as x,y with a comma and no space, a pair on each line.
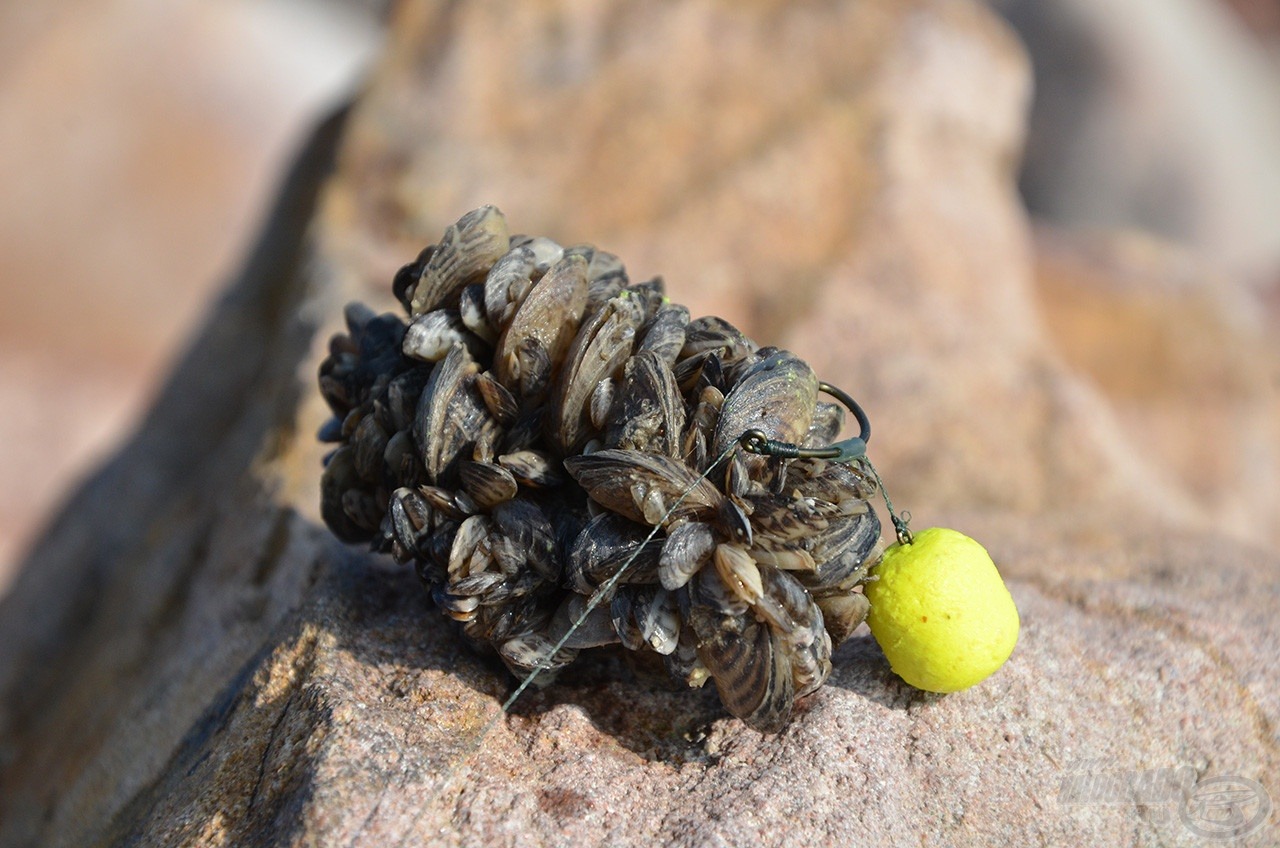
606,587
899,521
597,598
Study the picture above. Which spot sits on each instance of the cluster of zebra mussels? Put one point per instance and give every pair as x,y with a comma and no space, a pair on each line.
537,415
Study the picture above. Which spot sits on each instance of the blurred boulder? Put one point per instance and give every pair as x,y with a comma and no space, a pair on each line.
190,658
1158,116
1186,358
139,144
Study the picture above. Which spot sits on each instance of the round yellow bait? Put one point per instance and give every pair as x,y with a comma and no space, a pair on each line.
940,611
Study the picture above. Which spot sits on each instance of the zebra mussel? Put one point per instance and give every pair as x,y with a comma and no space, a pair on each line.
535,414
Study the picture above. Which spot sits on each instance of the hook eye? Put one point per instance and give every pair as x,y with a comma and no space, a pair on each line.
755,441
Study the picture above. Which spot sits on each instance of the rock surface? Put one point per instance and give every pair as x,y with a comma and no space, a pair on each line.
191,659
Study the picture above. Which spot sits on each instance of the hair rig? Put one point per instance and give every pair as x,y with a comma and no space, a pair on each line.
942,575
849,450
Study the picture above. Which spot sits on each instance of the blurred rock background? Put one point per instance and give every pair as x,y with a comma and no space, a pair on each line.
140,139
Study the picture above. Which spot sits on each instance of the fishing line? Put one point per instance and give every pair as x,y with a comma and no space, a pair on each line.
603,591
900,521
851,451
606,588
